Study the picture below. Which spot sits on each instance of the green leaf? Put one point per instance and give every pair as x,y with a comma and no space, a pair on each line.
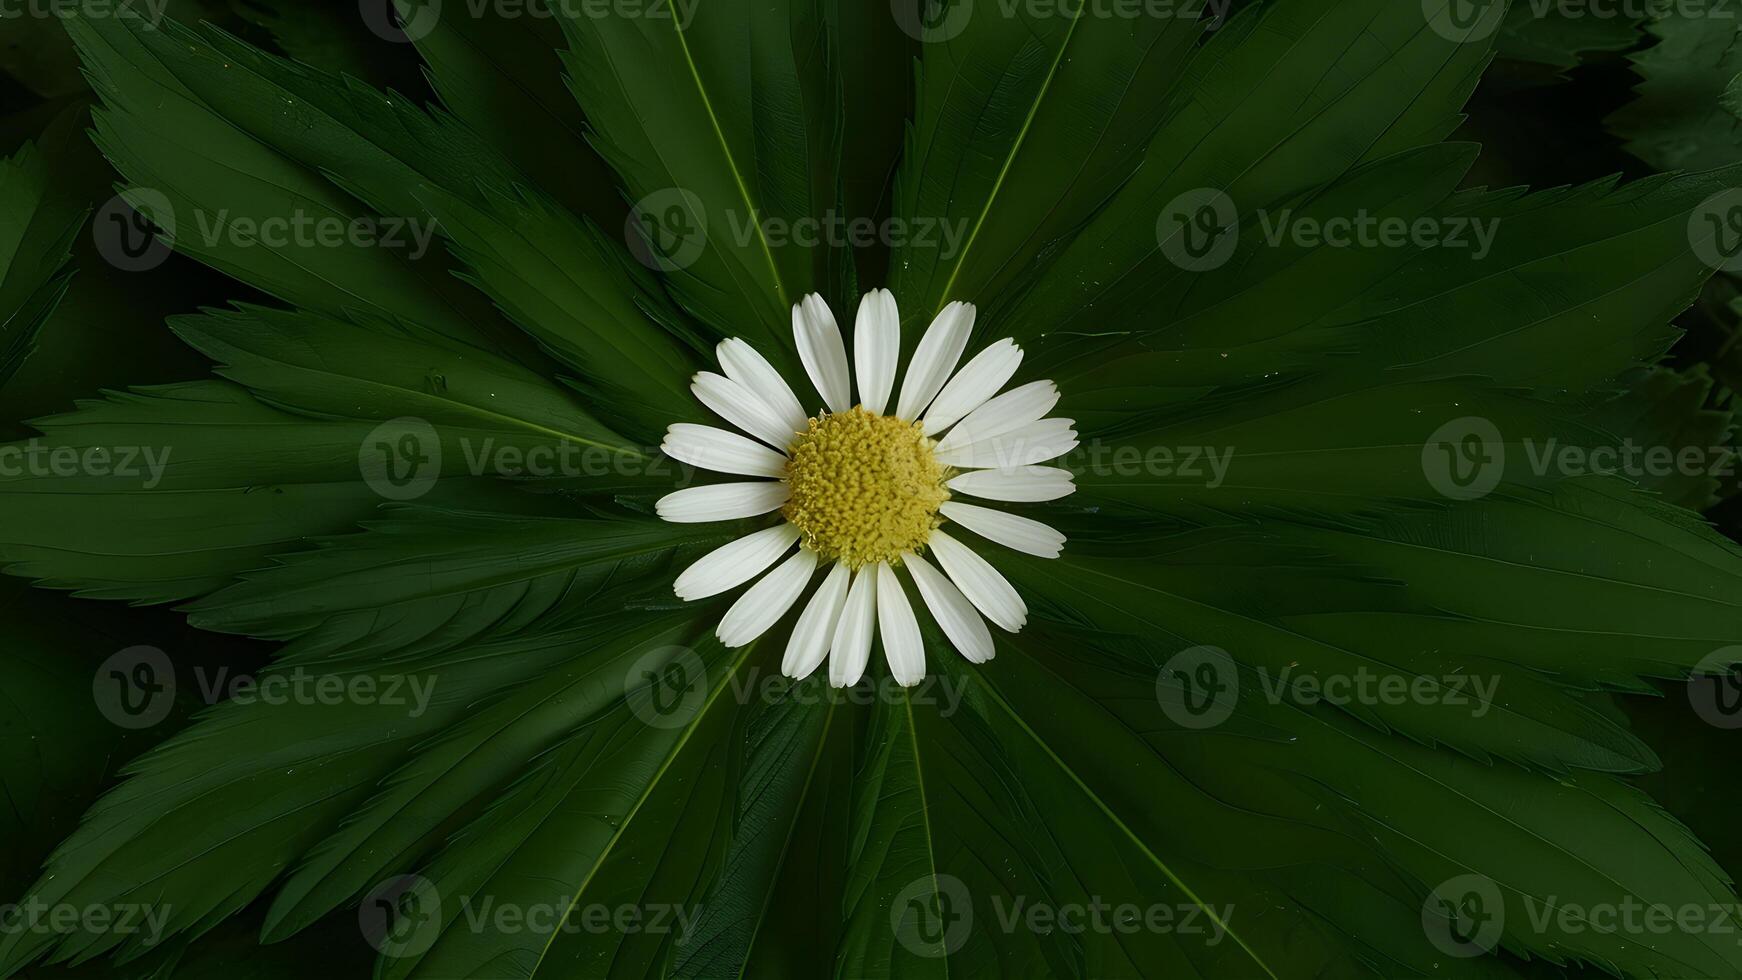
503,77
1021,127
316,759
172,491
1278,103
478,573
578,848
772,912
719,121
38,220
1685,115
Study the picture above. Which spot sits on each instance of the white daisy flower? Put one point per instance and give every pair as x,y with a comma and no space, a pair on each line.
864,493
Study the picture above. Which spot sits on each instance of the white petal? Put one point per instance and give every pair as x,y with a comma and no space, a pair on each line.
721,502
901,643
989,591
851,649
746,365
742,407
934,360
877,348
1006,413
823,352
954,613
1030,537
1036,442
734,563
1022,484
815,628
721,451
762,605
973,385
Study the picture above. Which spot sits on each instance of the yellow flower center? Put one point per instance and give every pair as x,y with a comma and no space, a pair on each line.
865,488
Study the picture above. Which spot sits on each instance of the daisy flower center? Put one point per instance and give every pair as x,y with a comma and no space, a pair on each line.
865,488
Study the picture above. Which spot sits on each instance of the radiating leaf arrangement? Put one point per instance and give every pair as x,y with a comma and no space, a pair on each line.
610,196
